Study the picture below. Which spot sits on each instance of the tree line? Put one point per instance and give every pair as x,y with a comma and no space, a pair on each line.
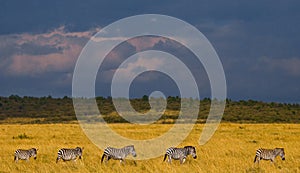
27,109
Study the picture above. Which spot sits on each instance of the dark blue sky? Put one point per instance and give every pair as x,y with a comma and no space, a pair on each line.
257,42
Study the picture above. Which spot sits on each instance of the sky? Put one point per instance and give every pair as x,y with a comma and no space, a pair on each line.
257,43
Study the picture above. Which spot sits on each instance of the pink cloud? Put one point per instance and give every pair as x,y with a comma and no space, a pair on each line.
114,57
71,44
34,65
141,43
54,37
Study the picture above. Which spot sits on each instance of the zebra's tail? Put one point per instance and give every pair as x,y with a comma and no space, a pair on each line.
255,158
165,157
57,159
102,158
15,158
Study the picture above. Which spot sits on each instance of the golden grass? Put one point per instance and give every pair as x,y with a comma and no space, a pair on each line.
232,149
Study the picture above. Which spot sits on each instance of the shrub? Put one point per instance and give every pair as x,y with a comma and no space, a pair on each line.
22,136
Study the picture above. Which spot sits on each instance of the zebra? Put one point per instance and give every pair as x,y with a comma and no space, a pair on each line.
67,154
269,154
180,153
118,154
25,154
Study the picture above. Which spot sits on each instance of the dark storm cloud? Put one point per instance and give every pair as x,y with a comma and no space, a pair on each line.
257,41
152,80
41,16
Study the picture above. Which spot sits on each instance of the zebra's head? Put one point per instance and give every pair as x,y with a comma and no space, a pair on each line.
280,152
192,151
79,151
33,152
132,150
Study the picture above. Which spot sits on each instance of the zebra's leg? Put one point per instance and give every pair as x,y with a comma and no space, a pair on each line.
107,159
16,159
258,160
182,160
273,162
169,159
122,161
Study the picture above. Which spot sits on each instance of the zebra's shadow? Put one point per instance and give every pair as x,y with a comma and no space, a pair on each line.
262,168
255,170
117,162
71,162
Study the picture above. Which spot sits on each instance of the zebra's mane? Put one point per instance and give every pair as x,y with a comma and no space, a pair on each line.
78,148
278,150
125,148
129,147
189,147
32,150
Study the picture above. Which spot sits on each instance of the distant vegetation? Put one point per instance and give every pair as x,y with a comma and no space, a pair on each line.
16,109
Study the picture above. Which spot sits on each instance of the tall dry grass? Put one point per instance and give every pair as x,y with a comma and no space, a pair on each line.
232,148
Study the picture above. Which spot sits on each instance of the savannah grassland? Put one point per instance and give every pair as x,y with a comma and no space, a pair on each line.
231,149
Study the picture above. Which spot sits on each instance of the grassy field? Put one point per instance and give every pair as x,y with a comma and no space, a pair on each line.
232,148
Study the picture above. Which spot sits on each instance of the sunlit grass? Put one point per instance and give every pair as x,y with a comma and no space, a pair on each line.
232,148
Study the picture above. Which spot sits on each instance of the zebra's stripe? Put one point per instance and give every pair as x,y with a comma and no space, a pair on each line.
180,153
269,154
118,154
67,154
21,154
